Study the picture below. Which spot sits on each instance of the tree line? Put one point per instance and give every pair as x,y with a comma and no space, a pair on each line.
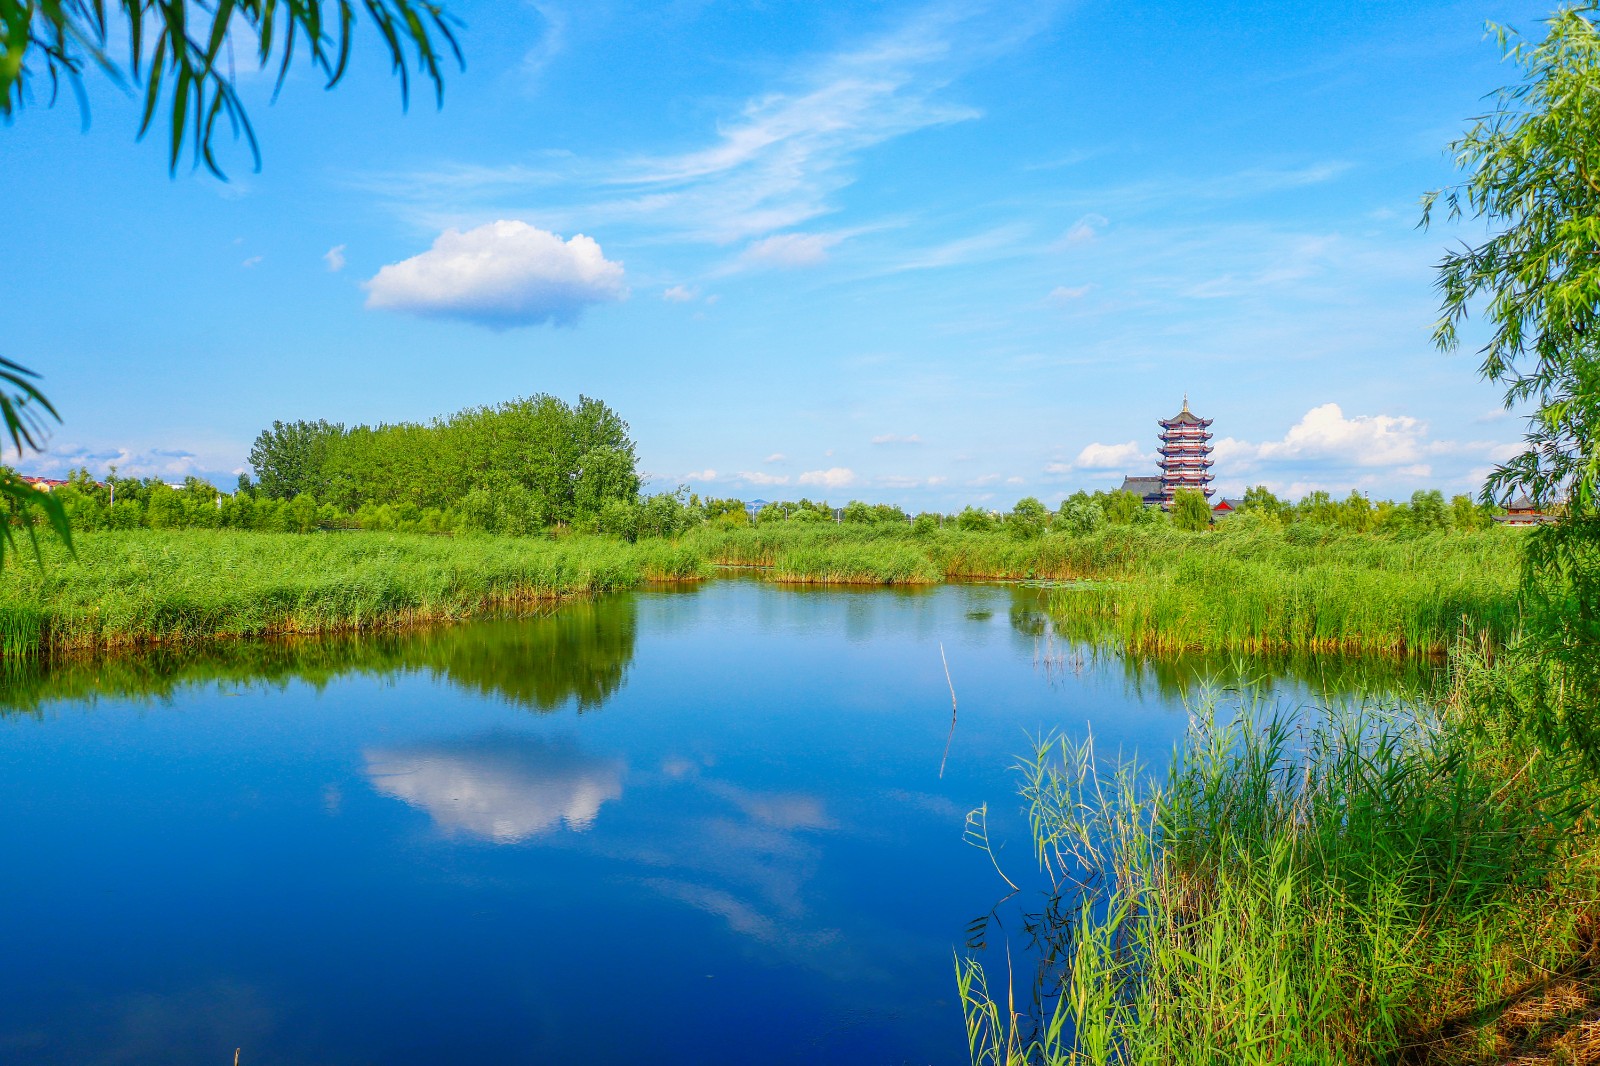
129,503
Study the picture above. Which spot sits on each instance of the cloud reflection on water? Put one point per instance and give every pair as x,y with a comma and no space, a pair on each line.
502,787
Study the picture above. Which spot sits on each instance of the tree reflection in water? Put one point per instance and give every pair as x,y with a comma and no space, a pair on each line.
577,653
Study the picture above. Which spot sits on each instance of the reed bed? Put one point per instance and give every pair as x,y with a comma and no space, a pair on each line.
146,587
1161,590
854,564
1152,590
1371,885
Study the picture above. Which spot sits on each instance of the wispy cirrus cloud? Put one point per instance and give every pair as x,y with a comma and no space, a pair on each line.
778,162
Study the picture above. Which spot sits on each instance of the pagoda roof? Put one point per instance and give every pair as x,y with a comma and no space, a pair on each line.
1522,503
1185,417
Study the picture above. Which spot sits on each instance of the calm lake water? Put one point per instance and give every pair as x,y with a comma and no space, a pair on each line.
698,826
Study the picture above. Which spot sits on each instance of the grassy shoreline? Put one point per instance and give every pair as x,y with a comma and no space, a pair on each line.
1152,591
1382,884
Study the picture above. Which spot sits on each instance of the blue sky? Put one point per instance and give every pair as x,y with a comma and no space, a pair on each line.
921,253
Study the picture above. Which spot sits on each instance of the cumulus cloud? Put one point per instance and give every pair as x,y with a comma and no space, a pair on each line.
1325,433
775,457
1099,456
678,294
701,475
836,477
756,477
896,438
1328,450
789,250
334,257
254,260
500,275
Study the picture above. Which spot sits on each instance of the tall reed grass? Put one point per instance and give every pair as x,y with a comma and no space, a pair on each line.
147,587
1377,885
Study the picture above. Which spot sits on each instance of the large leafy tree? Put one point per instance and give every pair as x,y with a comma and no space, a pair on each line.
1532,174
180,60
1532,177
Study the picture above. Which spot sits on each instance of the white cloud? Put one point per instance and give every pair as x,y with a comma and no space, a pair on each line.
1082,231
775,457
774,164
937,479
500,275
1327,450
252,261
678,294
334,257
700,475
1109,457
1363,440
1058,468
757,477
836,477
898,481
1013,480
1063,294
789,250
167,464
984,479
897,438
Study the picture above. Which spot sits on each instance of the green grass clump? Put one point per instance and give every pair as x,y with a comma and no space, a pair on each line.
1369,886
854,564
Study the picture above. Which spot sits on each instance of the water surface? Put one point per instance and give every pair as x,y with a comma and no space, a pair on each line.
674,826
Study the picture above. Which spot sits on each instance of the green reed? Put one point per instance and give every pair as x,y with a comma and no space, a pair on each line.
1363,885
147,587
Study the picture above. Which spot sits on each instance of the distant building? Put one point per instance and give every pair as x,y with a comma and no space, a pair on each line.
1146,488
1185,461
1523,512
46,484
1225,507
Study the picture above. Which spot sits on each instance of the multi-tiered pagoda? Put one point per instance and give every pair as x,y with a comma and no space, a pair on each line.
1185,454
1185,460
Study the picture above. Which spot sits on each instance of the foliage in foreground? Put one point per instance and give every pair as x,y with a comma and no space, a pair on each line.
1377,885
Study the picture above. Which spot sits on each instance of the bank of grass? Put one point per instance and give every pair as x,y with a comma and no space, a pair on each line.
146,587
1384,885
1243,588
1153,590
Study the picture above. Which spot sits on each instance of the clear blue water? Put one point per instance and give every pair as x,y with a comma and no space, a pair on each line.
700,826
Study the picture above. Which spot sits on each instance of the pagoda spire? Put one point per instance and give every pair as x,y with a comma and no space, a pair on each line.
1186,403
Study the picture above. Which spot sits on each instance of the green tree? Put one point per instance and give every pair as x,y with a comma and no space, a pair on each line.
1027,519
1532,180
1533,176
1190,510
290,458
972,520
1123,508
1264,500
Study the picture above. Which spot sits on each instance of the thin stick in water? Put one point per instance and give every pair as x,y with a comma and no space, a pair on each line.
952,685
